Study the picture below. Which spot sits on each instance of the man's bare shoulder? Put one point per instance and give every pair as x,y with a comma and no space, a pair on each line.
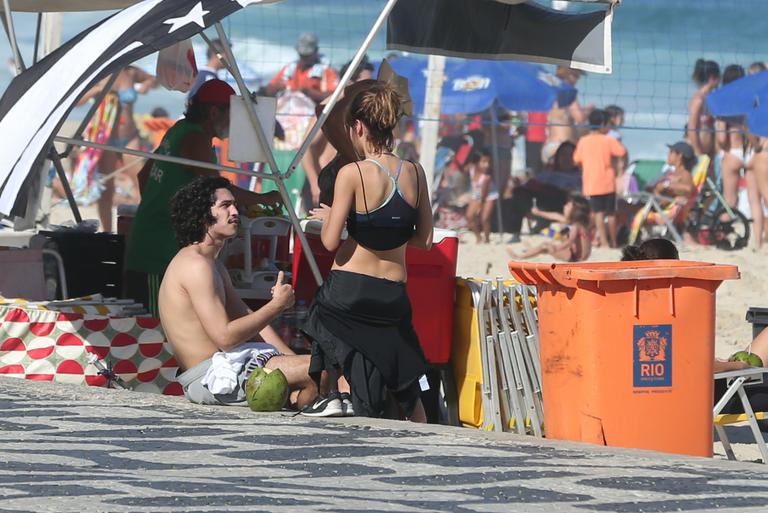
190,264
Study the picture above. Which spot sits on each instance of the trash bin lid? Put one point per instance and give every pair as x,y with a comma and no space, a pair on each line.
568,275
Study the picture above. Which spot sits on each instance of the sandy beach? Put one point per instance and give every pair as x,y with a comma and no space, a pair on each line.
734,297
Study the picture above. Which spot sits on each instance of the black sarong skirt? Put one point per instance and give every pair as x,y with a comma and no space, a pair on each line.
362,325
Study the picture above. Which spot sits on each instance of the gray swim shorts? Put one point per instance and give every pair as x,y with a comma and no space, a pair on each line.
191,380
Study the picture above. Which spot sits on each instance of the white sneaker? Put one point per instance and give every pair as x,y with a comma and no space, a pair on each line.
325,406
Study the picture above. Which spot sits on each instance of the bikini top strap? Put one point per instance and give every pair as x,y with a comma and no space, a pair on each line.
415,170
399,168
362,182
377,164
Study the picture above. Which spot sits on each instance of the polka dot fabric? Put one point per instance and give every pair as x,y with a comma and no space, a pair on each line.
55,346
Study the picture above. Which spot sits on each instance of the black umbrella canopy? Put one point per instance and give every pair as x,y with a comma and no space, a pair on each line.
504,29
38,101
66,5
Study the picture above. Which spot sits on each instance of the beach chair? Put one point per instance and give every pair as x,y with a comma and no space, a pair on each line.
737,380
645,171
665,212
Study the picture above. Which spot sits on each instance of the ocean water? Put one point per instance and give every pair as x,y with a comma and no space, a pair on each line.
655,44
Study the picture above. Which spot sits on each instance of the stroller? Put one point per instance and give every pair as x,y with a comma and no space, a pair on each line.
712,222
706,217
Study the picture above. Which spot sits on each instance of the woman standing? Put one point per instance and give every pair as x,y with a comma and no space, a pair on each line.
732,143
701,124
360,322
129,83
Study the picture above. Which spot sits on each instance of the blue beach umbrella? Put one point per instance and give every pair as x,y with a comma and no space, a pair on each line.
474,85
747,96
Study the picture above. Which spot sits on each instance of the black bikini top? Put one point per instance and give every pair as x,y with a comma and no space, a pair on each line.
388,226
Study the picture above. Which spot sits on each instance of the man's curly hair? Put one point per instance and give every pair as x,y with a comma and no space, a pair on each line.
191,208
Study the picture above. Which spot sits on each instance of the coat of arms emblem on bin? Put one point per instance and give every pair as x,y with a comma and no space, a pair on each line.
652,355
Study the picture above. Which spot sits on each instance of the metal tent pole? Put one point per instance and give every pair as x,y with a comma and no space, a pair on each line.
56,159
162,158
37,37
334,98
495,149
277,177
8,22
430,121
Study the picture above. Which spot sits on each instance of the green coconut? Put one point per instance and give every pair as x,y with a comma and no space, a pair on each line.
750,359
266,390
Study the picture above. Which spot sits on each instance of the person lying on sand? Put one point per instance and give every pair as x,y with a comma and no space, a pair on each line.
578,245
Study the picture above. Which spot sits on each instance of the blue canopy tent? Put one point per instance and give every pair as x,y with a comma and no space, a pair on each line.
472,86
747,96
475,85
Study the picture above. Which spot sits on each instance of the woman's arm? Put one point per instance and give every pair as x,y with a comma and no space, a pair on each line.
144,79
93,92
570,242
422,238
694,111
557,217
335,217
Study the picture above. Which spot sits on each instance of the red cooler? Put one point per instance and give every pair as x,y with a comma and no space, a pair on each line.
431,285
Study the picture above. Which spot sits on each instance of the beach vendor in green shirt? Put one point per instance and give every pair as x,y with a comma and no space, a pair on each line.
152,243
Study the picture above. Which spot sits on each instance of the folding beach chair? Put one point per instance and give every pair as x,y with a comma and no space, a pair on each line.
668,213
519,361
645,171
737,380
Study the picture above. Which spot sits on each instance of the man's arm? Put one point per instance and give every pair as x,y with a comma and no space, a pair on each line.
312,161
236,309
200,284
277,83
197,146
316,94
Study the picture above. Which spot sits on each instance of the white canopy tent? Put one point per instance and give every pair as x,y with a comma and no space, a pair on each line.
31,143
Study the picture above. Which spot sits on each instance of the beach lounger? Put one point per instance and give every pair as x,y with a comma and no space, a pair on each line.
736,382
668,213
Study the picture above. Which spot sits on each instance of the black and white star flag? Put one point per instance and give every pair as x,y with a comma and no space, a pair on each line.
504,29
37,102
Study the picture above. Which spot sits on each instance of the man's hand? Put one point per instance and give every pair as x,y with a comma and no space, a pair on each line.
282,293
271,198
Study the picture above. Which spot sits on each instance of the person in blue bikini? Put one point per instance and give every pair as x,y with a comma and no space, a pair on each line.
129,84
360,322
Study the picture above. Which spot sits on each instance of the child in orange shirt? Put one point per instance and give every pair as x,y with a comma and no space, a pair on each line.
594,153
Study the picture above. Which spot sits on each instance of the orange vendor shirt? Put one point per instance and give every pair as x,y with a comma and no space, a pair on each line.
593,153
319,76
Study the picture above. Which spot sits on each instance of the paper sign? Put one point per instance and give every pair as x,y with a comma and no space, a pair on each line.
243,143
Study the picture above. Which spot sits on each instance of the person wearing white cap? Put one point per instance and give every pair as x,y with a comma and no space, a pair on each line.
311,73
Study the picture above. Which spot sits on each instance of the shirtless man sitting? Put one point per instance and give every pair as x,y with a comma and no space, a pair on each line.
207,324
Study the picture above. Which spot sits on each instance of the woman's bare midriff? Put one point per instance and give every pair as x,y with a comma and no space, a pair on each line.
355,258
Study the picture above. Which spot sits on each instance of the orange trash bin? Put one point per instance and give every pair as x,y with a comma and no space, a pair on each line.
627,351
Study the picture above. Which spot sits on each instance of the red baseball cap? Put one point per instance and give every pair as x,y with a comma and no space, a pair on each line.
214,91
